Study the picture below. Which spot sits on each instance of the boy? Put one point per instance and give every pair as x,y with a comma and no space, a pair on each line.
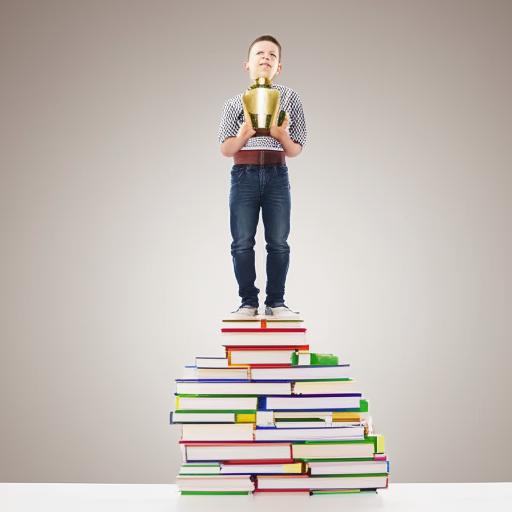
259,179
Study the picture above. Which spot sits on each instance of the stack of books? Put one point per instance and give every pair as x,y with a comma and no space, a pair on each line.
269,415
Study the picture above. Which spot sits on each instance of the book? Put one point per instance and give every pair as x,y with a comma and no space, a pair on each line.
292,347
261,356
269,452
240,468
217,387
341,371
242,403
301,358
217,483
231,373
316,492
300,402
211,362
351,467
346,449
323,387
314,422
210,417
327,415
204,416
270,336
284,468
339,451
321,482
309,433
198,468
217,432
262,323
268,415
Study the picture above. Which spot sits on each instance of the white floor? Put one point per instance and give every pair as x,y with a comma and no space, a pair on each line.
151,498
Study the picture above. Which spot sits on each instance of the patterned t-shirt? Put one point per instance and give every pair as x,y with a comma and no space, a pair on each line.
233,117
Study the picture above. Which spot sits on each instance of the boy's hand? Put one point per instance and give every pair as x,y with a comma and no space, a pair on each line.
246,130
280,132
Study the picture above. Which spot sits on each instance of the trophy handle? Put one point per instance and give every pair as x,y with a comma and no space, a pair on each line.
247,117
280,119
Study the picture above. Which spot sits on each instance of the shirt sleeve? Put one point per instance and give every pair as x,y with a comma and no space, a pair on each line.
297,127
228,124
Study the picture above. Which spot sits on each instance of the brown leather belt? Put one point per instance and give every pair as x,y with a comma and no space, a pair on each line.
260,157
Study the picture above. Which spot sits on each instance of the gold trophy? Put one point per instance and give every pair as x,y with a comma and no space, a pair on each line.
261,104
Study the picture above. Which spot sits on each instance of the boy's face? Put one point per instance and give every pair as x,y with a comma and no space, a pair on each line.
263,60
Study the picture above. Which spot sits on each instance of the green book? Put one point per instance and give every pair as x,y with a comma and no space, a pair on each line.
313,359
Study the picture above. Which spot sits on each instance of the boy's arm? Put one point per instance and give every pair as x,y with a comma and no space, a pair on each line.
280,133
233,144
294,138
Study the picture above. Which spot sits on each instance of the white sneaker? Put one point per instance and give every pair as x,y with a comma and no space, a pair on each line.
281,312
244,312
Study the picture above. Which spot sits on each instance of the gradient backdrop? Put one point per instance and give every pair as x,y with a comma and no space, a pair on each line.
115,260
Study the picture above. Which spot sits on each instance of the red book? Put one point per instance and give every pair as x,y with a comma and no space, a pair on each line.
260,461
266,347
268,329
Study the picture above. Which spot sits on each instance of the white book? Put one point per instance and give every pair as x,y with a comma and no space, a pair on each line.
234,388
334,417
199,469
317,424
263,322
260,469
264,418
215,483
211,362
218,432
348,467
263,338
231,373
261,356
332,451
325,415
203,417
189,372
324,387
303,424
313,402
253,451
308,434
218,403
301,372
318,483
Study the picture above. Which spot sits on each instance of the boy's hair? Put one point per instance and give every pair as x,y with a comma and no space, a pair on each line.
265,38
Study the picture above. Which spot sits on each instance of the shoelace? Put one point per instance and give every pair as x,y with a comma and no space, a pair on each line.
286,307
244,307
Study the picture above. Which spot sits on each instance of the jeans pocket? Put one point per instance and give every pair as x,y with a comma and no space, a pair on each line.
282,177
236,173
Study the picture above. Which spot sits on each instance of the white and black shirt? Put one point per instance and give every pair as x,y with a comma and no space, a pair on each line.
233,117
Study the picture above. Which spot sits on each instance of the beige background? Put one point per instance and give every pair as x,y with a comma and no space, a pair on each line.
115,267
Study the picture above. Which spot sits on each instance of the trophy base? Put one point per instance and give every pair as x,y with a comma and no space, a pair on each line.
262,132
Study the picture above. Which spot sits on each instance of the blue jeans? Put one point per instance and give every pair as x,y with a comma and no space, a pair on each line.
254,187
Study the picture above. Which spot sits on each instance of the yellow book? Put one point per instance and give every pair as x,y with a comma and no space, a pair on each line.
243,417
